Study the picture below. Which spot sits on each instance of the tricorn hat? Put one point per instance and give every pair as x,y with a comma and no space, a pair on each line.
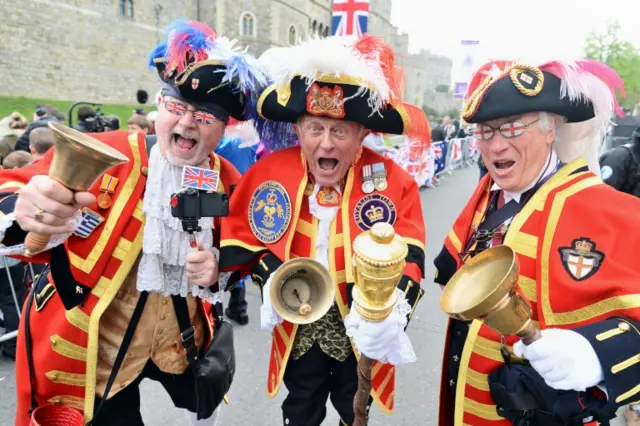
207,70
346,78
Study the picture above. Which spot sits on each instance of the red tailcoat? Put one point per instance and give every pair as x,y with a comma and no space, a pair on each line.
576,241
251,249
65,316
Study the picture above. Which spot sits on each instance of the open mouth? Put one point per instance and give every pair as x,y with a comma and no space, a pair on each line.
184,144
503,165
327,164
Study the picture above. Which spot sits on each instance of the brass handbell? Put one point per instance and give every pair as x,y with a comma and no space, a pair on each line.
78,161
302,290
484,288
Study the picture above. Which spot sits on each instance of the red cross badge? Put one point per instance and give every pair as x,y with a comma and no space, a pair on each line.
581,260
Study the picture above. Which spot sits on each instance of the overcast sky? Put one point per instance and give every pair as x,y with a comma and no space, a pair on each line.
506,29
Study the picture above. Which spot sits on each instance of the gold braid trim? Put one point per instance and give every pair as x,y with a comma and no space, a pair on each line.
471,105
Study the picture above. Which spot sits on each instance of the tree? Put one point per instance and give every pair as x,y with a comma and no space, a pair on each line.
607,47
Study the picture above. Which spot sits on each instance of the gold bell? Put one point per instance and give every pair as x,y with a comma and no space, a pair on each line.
485,289
302,290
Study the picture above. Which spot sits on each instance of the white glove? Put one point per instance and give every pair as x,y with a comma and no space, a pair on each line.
383,341
269,318
565,359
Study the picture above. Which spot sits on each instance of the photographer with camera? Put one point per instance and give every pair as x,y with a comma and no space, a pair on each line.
84,113
131,291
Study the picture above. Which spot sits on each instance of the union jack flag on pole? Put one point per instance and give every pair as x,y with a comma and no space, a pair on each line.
195,177
350,17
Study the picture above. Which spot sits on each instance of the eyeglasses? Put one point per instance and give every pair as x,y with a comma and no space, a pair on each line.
180,110
508,130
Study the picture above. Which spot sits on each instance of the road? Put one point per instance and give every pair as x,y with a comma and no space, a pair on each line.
417,384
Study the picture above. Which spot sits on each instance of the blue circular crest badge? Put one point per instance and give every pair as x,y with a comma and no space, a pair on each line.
269,212
374,208
606,172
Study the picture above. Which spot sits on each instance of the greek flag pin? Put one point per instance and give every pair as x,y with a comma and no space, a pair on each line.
90,221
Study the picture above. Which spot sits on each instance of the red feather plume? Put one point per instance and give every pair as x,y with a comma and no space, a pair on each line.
374,48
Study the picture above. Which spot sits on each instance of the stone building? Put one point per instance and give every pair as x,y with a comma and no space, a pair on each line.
96,50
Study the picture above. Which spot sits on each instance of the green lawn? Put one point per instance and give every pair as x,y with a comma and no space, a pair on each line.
27,106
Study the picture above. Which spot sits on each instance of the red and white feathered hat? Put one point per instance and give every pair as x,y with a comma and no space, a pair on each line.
347,78
583,92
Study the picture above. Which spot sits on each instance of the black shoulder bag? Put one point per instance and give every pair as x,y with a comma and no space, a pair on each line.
213,368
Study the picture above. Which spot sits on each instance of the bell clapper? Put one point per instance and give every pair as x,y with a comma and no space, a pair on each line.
305,308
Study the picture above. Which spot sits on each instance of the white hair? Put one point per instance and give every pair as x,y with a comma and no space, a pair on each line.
573,140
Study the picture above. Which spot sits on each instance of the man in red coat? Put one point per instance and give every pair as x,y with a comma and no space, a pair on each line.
575,238
117,249
312,201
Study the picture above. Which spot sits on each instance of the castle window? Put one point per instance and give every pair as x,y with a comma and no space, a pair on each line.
248,25
326,31
314,27
292,35
126,8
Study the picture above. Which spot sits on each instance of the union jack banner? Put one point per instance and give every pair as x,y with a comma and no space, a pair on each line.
350,17
195,177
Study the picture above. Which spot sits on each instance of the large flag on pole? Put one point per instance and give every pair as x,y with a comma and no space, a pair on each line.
350,17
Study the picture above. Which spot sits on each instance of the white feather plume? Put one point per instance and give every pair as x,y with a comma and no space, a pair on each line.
332,56
245,131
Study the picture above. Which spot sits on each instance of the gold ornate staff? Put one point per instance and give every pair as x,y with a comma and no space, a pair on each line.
378,265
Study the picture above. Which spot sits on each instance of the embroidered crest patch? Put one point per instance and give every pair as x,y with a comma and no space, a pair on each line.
90,221
374,208
324,101
269,212
581,260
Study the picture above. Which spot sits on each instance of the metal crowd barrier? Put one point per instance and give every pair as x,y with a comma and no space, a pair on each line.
466,160
5,263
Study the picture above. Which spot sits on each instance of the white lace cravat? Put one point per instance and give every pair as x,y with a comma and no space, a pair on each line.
164,244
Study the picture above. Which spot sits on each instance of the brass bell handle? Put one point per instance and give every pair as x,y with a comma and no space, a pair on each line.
530,334
35,243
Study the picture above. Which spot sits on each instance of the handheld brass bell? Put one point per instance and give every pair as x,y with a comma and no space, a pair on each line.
484,288
302,290
78,161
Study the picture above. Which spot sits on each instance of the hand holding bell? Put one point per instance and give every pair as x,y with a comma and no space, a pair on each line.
46,204
484,288
47,207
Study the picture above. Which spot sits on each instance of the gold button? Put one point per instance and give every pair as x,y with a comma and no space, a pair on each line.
283,96
145,171
53,341
160,331
157,344
163,317
624,326
54,377
165,301
56,401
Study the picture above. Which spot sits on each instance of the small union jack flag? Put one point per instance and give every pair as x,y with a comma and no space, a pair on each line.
195,177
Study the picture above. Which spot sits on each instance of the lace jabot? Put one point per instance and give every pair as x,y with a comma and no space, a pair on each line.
164,243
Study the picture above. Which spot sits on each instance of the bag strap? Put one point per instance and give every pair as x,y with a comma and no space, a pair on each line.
187,332
126,341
